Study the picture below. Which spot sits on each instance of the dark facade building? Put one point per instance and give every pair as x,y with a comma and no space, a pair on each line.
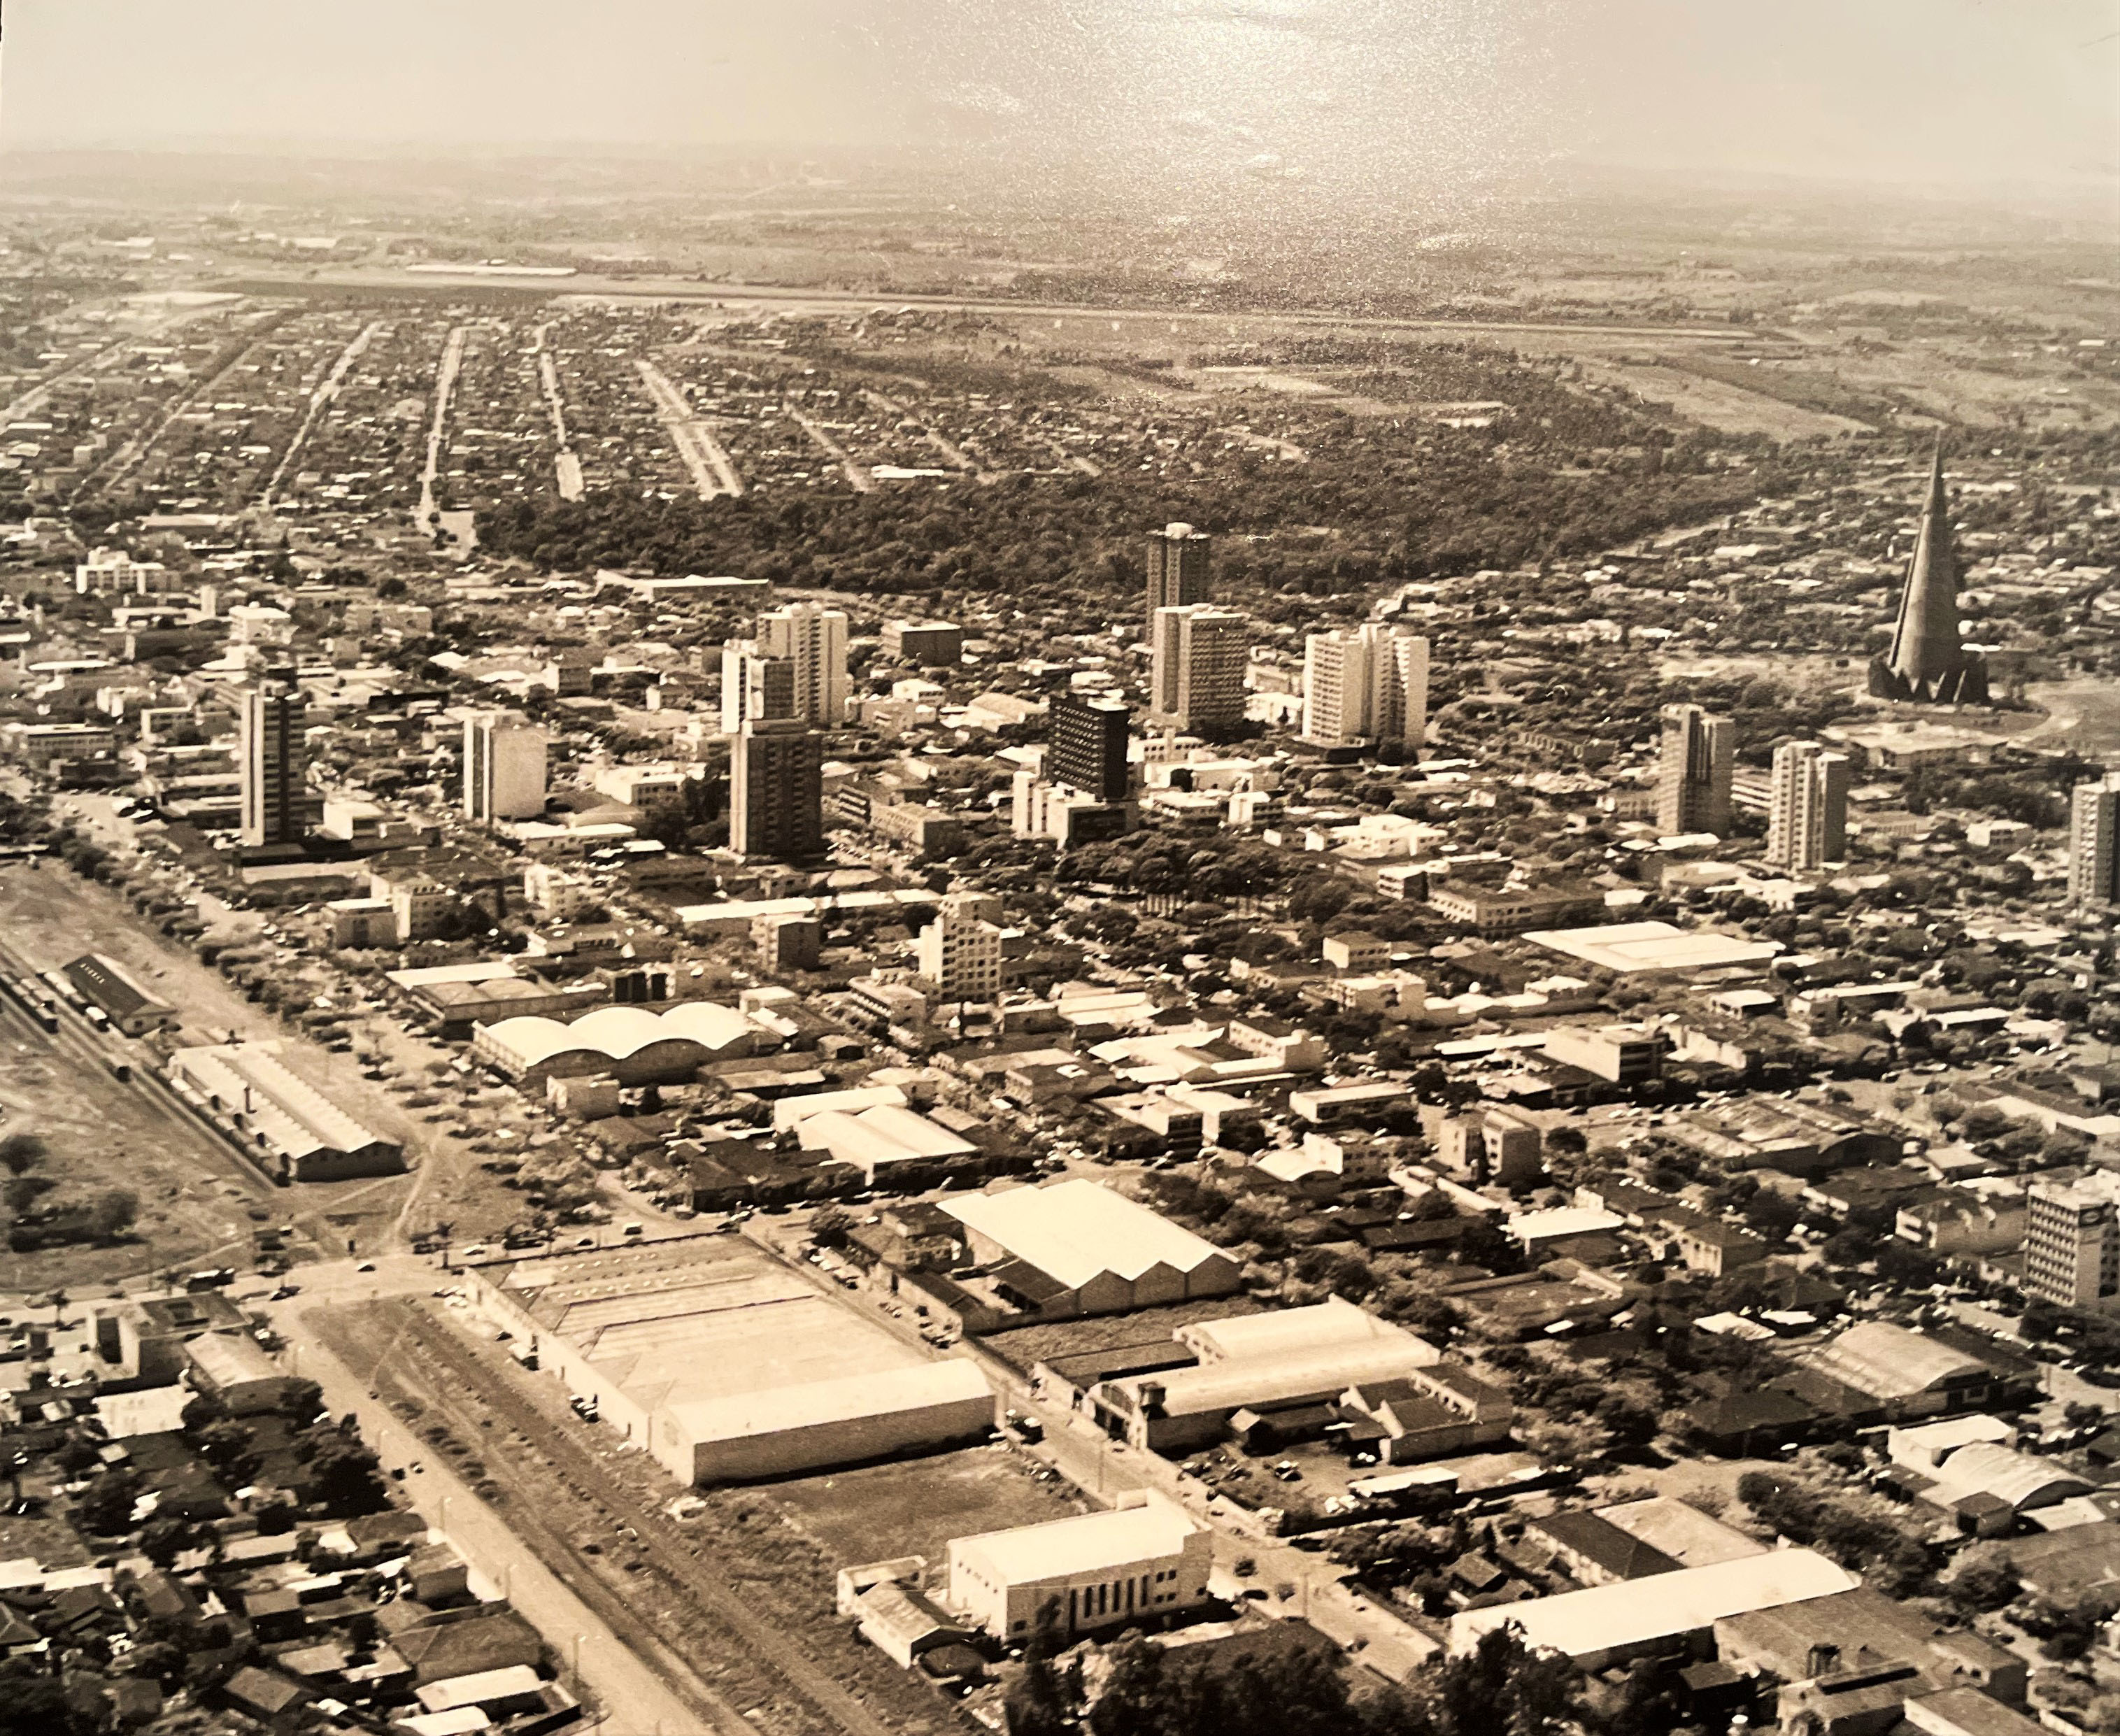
274,768
777,790
1177,567
1087,748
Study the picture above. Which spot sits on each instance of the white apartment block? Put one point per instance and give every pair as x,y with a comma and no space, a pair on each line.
504,769
1366,684
1807,806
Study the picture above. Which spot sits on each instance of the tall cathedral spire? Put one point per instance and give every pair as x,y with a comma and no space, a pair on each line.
1927,662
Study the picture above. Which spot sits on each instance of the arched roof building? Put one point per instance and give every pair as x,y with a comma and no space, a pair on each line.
633,1045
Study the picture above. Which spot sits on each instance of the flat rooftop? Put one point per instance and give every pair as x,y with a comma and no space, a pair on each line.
700,1319
1629,947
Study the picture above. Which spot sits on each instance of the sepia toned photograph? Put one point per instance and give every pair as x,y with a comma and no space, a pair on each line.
1060,868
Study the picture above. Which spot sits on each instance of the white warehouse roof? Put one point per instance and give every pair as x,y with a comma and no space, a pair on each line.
1075,1230
1585,1624
1276,1377
814,1403
884,1133
1335,1322
1062,1549
793,1111
294,1118
617,1032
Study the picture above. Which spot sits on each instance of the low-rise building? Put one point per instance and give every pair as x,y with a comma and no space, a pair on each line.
1880,1372
1619,1055
1714,1248
1612,1624
1334,1105
1127,1567
1792,1134
1856,1661
1079,1247
1513,910
108,985
283,1123
360,922
778,1430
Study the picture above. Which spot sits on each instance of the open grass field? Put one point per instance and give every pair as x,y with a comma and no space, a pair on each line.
1718,403
915,1506
2084,716
193,1199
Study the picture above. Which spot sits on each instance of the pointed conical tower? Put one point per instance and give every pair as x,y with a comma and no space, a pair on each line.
1927,662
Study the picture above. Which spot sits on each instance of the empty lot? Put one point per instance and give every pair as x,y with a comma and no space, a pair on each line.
915,1506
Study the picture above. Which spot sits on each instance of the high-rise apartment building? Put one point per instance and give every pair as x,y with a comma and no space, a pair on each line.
1807,806
504,769
777,790
754,687
795,667
1087,746
1197,667
960,951
275,768
2072,1241
2094,844
1177,568
1365,684
1693,776
814,640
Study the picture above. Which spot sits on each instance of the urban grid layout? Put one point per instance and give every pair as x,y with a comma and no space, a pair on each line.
787,950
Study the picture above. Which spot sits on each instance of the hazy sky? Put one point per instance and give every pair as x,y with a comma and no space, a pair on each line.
1363,92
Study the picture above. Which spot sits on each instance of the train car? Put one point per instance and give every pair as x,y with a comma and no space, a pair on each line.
64,988
31,993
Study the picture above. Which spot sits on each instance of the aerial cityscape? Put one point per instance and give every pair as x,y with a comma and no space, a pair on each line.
869,936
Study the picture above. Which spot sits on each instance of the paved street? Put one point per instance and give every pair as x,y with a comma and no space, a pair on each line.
637,1701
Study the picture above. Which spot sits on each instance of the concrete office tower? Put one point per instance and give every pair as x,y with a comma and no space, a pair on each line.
275,768
2094,844
1196,672
1928,662
1087,746
814,640
1177,568
504,769
2072,1242
1367,684
1807,806
1693,779
754,687
777,790
961,950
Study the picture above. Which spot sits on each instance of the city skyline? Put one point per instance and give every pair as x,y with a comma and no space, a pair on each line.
1163,867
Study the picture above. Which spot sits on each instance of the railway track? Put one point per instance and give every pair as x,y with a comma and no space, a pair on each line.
806,1695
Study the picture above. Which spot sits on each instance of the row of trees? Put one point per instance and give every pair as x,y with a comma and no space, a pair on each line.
1888,1558
1499,1688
